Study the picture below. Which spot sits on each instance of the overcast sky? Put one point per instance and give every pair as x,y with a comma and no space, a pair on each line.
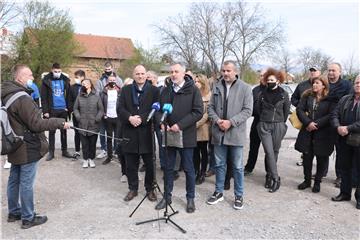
332,26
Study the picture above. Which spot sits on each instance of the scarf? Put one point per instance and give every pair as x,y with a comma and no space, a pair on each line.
137,93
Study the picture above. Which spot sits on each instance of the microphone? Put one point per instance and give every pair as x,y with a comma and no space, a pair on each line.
167,109
155,107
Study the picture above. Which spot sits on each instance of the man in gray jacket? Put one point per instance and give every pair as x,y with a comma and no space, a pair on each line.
230,106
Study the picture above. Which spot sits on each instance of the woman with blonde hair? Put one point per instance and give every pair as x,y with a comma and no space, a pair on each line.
202,130
316,137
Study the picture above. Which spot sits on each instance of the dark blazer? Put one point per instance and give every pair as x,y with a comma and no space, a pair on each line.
187,109
322,140
141,136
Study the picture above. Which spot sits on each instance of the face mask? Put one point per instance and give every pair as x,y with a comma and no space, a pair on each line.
108,73
29,83
57,75
77,81
83,89
271,85
112,84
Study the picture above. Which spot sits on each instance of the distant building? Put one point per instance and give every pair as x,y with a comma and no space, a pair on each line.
96,50
5,41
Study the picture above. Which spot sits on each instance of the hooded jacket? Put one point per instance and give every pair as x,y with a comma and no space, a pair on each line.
187,109
25,119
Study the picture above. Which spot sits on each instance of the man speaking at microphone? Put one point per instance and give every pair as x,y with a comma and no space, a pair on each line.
187,109
135,105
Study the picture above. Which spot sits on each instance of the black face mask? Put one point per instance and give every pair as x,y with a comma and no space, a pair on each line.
112,84
83,89
271,85
108,73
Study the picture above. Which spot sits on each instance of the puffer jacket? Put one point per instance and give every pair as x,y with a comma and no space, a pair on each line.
88,110
25,119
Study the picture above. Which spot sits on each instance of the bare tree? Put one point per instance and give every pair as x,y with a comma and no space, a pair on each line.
285,59
351,65
308,57
177,37
8,13
256,37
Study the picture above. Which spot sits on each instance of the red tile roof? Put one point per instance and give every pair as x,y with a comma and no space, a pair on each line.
104,47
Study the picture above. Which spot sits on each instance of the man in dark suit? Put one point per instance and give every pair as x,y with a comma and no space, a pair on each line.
135,105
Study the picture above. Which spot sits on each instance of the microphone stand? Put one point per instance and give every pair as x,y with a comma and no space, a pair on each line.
166,216
155,186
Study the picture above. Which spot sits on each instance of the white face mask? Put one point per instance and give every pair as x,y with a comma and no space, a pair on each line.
77,81
29,83
57,75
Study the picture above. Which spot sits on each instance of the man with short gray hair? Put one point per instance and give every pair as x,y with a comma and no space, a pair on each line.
231,104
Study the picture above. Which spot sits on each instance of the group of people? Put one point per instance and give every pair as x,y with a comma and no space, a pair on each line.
206,122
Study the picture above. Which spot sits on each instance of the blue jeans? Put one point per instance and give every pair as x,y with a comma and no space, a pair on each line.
211,158
21,184
236,156
188,166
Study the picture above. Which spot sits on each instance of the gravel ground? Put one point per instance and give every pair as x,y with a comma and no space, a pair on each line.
88,204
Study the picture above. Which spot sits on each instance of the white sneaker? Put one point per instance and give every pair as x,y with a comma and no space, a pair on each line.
85,164
102,154
123,178
91,163
7,165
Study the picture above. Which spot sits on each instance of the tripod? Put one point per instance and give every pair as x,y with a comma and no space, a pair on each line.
155,186
166,217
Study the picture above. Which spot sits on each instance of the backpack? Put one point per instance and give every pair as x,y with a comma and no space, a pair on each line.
10,142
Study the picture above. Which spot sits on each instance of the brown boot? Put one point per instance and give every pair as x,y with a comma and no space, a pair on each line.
152,196
130,196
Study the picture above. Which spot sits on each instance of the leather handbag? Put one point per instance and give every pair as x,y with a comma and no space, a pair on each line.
353,139
295,120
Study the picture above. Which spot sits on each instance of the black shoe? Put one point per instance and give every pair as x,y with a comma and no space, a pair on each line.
238,203
13,217
67,154
337,182
275,185
316,187
106,161
341,197
162,204
50,156
247,172
200,179
176,175
190,206
227,186
142,169
37,220
215,198
268,181
305,184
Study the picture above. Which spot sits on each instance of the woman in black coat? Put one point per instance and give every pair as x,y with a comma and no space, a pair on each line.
316,137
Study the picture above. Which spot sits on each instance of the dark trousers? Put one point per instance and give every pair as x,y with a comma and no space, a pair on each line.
321,166
77,135
348,157
58,114
201,157
186,155
111,131
88,144
255,142
132,168
337,160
